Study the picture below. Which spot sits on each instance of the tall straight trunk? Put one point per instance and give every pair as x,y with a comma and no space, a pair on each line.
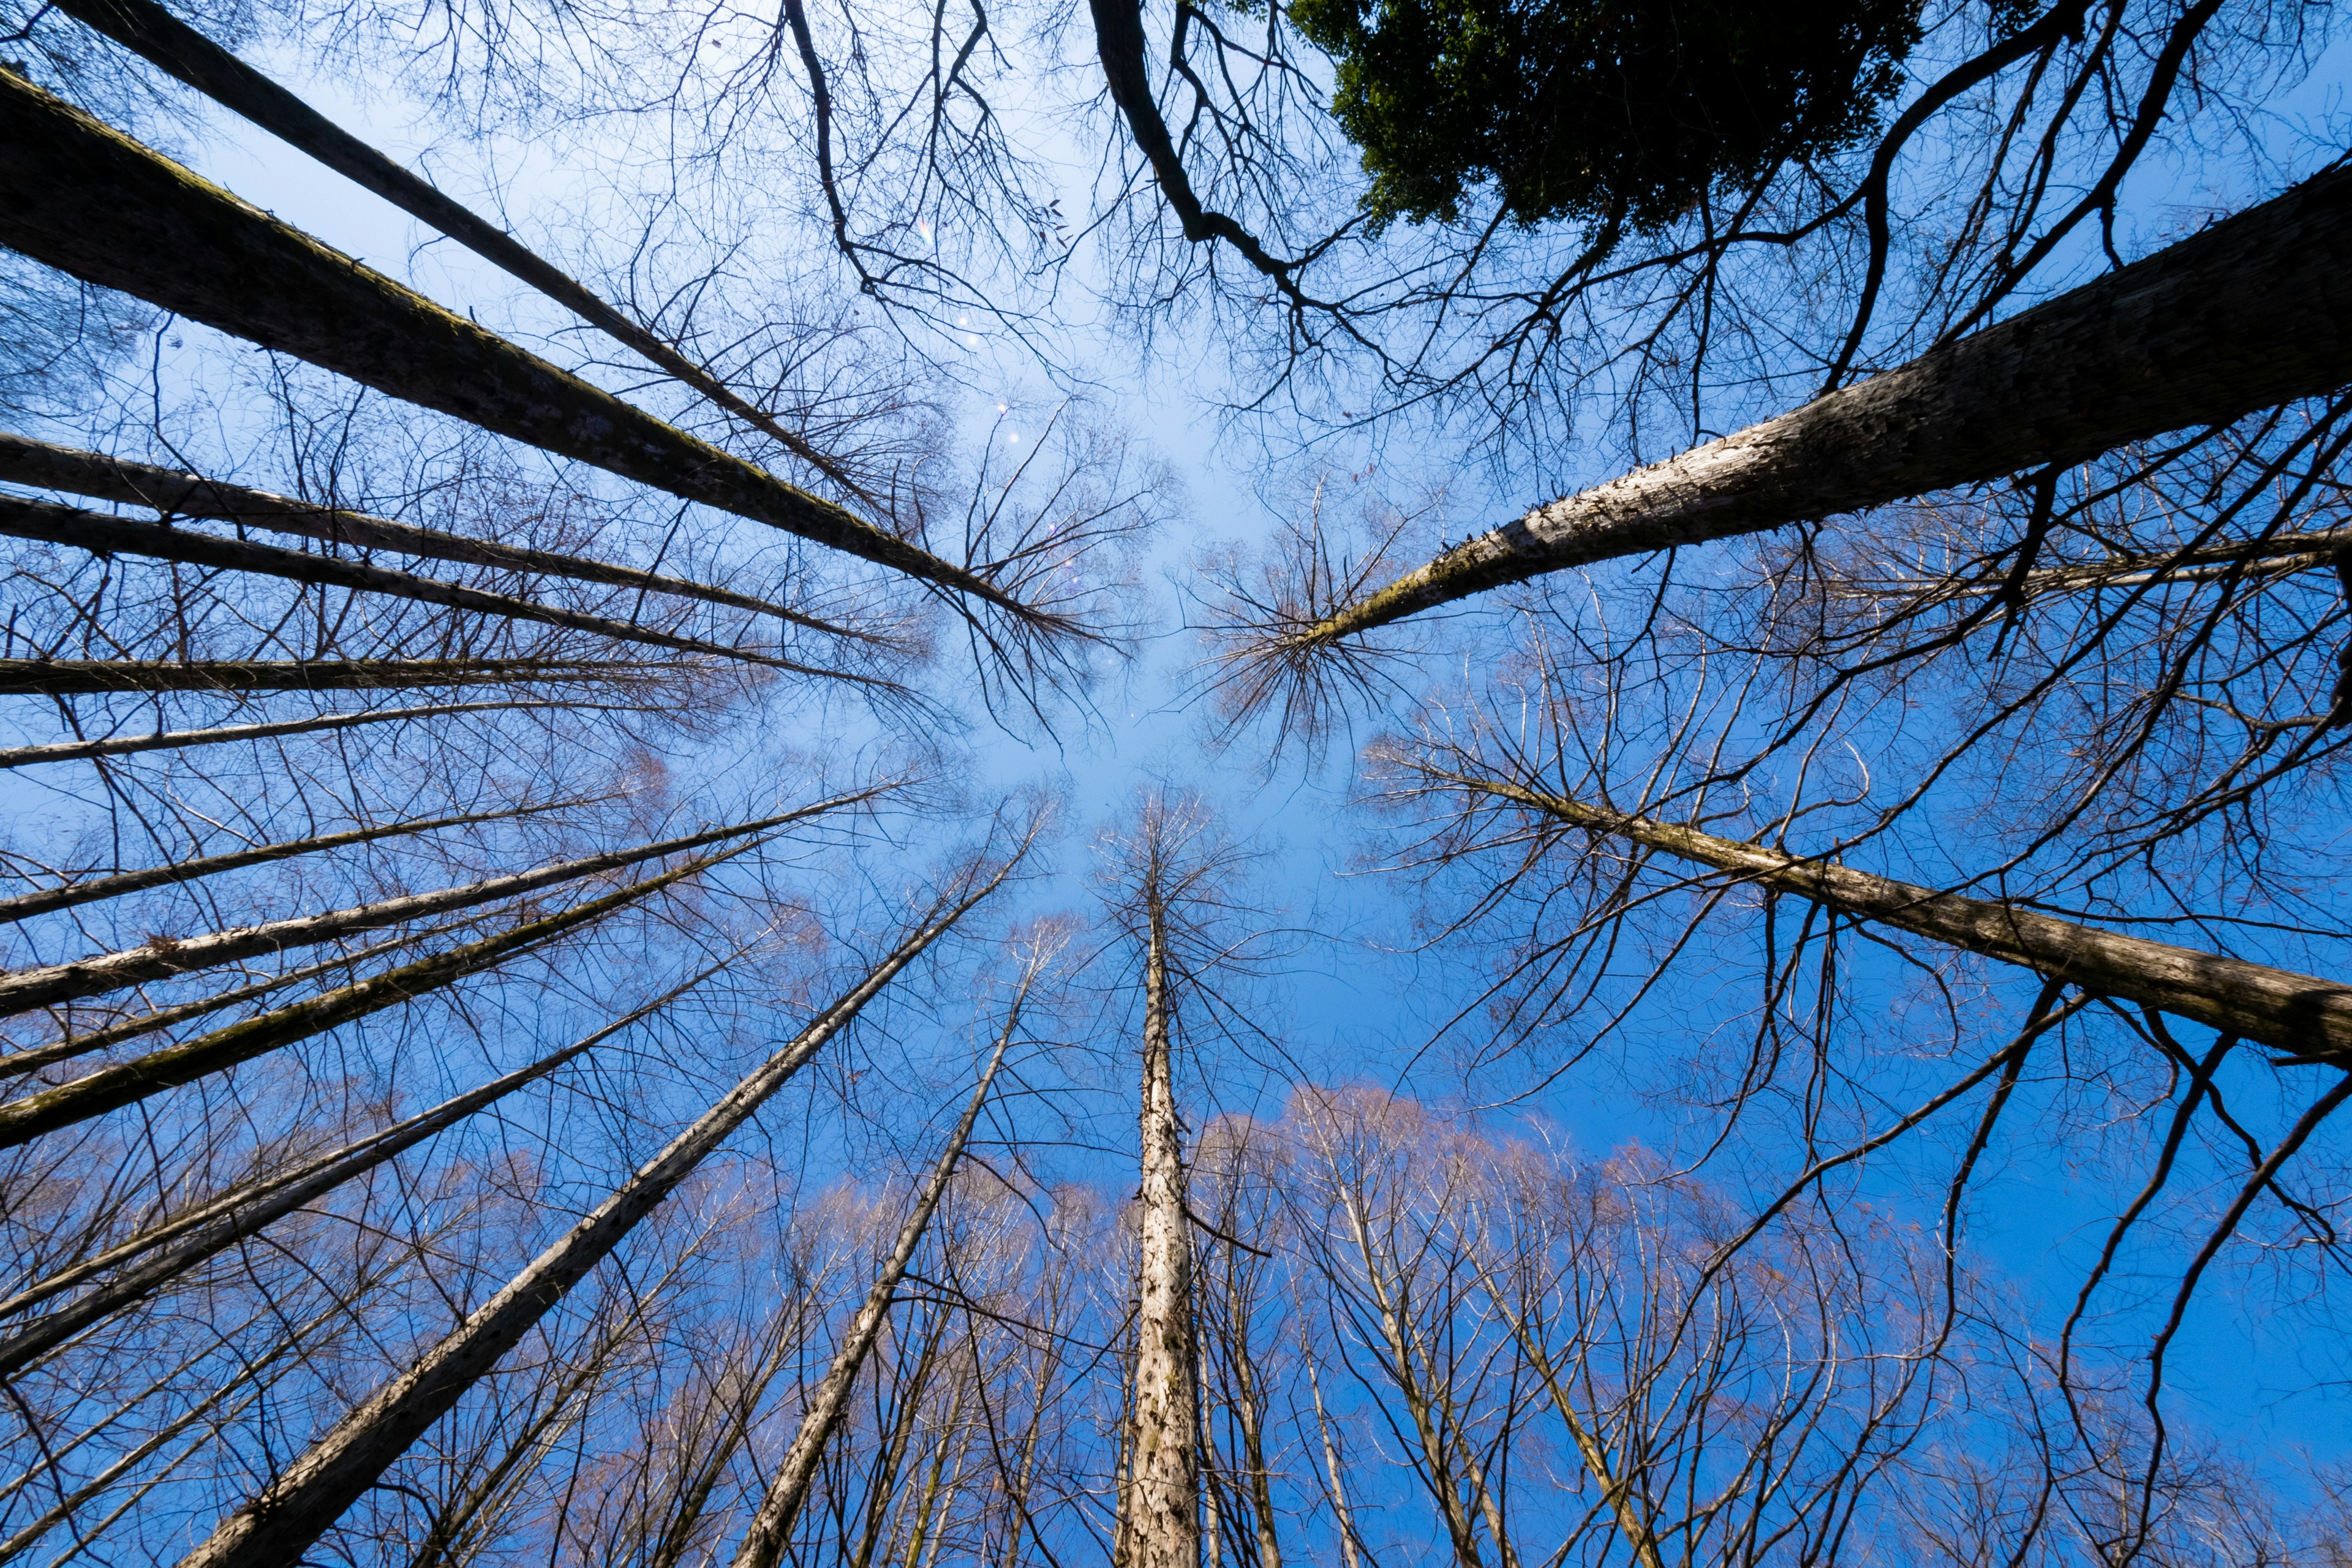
2310,1017
92,890
276,1528
163,958
166,1251
74,678
25,461
779,1509
18,1063
164,40
223,734
1163,1503
1334,1476
78,196
102,533
2254,311
127,1082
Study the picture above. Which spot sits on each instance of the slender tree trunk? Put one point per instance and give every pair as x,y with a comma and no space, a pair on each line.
1162,1529
772,1527
246,1209
91,889
105,534
276,1529
175,740
18,1064
125,1083
74,678
1333,1475
2254,311
164,40
81,197
2296,1013
164,958
25,461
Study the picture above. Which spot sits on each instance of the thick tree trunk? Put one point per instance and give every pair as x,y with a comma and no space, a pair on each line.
278,1527
164,40
772,1527
104,534
175,739
125,1083
91,889
2310,1017
164,957
211,1228
2254,311
75,677
1161,1527
39,465
81,197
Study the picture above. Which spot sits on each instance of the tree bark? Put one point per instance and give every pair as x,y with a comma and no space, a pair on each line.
18,1063
2309,1017
104,534
74,678
250,1207
175,740
1161,1527
81,197
163,958
148,30
91,889
278,1527
2254,311
779,1509
124,1083
37,464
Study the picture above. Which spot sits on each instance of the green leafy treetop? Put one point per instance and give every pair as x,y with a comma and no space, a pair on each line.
1621,112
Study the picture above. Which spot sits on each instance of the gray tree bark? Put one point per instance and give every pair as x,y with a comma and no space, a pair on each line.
125,1083
2306,1016
75,677
92,890
104,534
39,465
153,33
175,739
81,197
278,1527
211,1228
1159,1514
2254,311
162,959
780,1508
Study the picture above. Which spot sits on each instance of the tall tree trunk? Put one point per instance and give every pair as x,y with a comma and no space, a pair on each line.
1163,1503
276,1528
125,1083
175,740
81,197
74,678
772,1527
2296,1013
25,461
92,890
164,40
2256,311
210,1228
164,958
105,534
18,1063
